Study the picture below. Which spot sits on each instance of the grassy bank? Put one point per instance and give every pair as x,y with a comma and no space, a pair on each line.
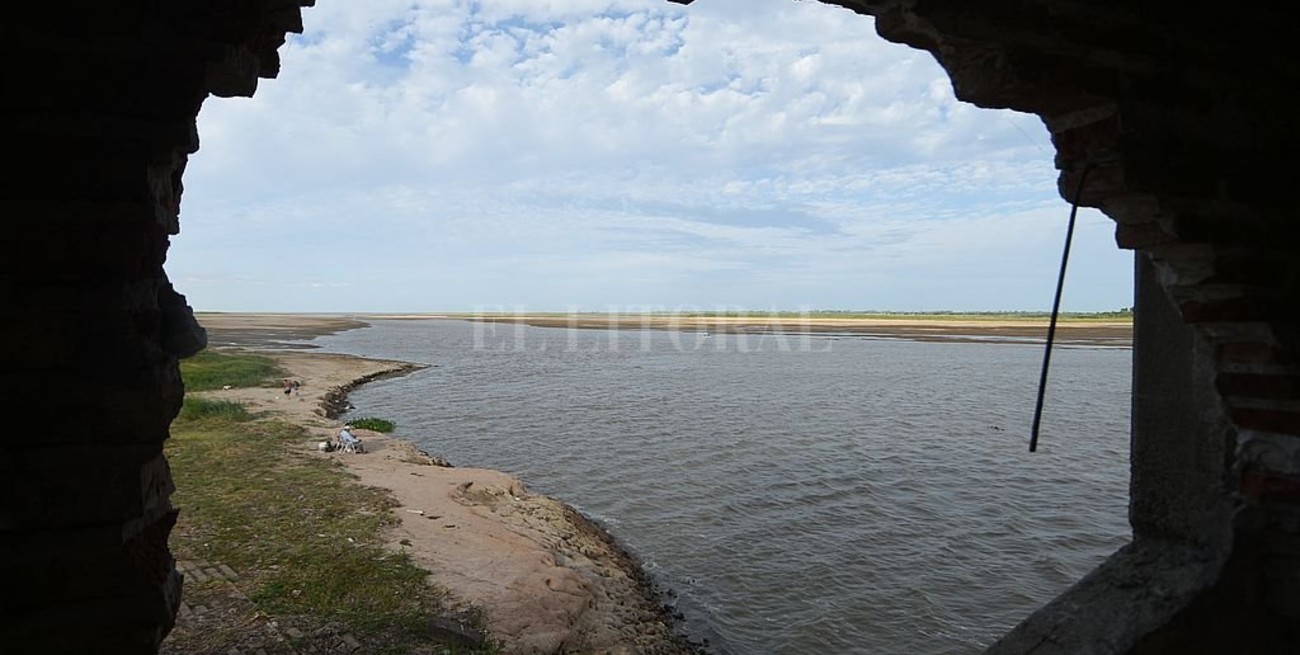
305,541
212,369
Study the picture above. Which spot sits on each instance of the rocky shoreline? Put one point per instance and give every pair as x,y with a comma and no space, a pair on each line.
335,402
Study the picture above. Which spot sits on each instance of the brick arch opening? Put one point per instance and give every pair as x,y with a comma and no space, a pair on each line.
1181,118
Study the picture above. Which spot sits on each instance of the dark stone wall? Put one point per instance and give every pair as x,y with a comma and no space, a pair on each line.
1181,118
98,125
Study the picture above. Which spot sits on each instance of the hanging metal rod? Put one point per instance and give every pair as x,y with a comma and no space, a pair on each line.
1056,313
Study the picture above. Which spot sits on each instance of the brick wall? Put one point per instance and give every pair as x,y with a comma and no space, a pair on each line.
99,123
1182,117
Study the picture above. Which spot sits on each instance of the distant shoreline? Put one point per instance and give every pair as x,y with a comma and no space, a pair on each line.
1106,318
1089,330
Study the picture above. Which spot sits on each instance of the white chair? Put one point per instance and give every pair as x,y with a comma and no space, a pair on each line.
349,443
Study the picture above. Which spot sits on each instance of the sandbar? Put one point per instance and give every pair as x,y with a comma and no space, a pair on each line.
983,329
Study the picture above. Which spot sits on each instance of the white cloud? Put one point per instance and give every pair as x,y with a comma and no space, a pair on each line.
702,149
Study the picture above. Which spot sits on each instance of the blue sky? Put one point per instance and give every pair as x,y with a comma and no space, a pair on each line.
453,155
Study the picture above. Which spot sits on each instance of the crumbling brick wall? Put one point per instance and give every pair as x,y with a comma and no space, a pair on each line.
98,124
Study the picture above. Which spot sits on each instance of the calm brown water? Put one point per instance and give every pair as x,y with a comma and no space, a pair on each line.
799,495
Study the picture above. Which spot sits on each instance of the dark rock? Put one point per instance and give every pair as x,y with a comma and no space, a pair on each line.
455,633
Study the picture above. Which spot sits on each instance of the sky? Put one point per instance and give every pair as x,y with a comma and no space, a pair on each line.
622,155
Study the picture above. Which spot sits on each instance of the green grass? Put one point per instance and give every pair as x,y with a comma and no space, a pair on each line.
196,408
372,423
213,369
306,539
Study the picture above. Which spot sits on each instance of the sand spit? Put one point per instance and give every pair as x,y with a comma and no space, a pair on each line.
923,328
272,330
546,578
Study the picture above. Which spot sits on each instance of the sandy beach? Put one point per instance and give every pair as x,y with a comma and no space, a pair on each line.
546,578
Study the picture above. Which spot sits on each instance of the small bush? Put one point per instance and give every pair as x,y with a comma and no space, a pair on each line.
213,370
195,409
373,424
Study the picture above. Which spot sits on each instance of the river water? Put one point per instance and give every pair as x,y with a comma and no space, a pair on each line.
798,494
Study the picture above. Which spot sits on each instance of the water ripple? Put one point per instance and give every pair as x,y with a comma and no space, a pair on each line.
876,497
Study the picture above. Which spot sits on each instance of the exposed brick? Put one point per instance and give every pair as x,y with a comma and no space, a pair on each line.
1103,183
148,550
1231,310
1271,487
1248,352
1142,235
1093,141
1243,269
1259,386
1267,420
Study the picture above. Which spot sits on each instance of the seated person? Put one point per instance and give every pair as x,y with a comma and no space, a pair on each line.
348,442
